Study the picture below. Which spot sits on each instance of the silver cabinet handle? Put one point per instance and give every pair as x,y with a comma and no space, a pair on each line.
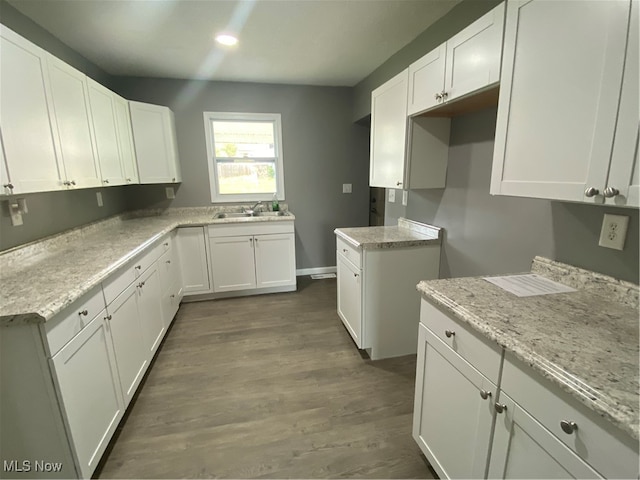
444,95
500,407
106,181
73,182
8,185
438,96
485,394
398,184
66,182
449,333
138,267
166,244
83,312
168,261
173,179
591,192
345,250
251,240
108,317
172,296
568,427
611,192
128,180
356,275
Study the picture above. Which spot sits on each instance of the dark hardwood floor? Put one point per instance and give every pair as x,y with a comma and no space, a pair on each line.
268,387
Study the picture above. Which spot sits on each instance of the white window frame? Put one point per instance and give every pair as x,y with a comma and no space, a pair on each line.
216,197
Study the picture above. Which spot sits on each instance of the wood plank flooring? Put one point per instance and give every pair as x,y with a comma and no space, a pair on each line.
268,387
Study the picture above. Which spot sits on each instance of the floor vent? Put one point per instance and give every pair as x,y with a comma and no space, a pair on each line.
320,276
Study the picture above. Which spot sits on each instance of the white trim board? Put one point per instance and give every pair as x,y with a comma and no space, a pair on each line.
309,271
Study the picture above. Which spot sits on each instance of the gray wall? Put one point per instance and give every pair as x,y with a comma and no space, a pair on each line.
455,20
496,234
53,212
322,149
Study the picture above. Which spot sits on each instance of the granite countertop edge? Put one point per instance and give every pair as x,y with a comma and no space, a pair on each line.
604,407
46,312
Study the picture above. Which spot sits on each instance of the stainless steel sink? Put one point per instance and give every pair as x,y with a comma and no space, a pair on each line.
255,214
232,215
272,214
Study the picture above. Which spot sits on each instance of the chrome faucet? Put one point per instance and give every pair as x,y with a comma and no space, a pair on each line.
252,210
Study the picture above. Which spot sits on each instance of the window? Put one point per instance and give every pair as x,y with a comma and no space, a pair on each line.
244,156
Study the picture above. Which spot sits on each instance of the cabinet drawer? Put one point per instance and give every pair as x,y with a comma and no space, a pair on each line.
68,323
350,252
118,282
250,228
479,352
608,450
168,269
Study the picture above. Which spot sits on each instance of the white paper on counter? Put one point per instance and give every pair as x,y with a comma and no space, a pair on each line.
529,285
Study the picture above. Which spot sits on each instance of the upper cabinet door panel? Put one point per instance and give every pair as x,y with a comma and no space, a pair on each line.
74,129
559,93
106,134
473,55
426,81
624,172
29,145
125,139
388,132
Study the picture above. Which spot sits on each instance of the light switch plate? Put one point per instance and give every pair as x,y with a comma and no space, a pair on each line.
405,195
392,195
614,231
99,199
346,188
171,194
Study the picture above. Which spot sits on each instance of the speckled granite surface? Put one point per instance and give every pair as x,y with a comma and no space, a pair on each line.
585,341
40,279
407,234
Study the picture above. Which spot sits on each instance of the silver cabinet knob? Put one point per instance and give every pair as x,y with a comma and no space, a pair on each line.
568,427
166,244
66,182
128,180
485,394
398,184
591,192
449,333
172,296
345,250
73,182
500,407
610,192
83,312
108,317
356,275
168,261
173,179
106,181
8,185
438,96
138,267
444,95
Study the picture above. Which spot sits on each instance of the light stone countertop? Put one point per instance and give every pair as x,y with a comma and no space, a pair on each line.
407,234
585,341
40,279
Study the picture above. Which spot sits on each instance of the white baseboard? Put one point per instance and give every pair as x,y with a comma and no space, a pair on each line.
310,271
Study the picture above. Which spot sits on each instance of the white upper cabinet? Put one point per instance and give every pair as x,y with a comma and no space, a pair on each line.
467,62
154,136
560,90
105,128
388,132
29,146
72,124
125,139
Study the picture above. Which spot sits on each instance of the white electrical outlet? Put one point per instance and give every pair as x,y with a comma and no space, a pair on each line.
405,196
392,195
171,194
99,198
614,231
346,188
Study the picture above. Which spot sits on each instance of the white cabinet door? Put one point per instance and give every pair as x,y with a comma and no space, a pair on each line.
155,143
128,339
194,265
559,93
522,448
388,132
106,133
426,80
89,391
473,55
350,298
451,420
150,310
232,263
125,139
275,260
624,174
73,125
25,103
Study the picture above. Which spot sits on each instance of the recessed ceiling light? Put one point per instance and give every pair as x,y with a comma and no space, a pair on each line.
226,39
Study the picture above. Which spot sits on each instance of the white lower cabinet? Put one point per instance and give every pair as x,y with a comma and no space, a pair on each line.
350,297
150,310
255,258
522,447
89,392
128,336
194,269
453,413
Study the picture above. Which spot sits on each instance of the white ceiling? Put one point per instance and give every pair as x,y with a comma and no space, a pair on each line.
312,42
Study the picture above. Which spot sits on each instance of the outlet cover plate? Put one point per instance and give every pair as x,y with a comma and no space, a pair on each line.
392,195
346,188
171,194
614,231
99,199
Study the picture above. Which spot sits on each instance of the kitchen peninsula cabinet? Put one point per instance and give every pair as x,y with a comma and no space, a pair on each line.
154,136
467,62
558,119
